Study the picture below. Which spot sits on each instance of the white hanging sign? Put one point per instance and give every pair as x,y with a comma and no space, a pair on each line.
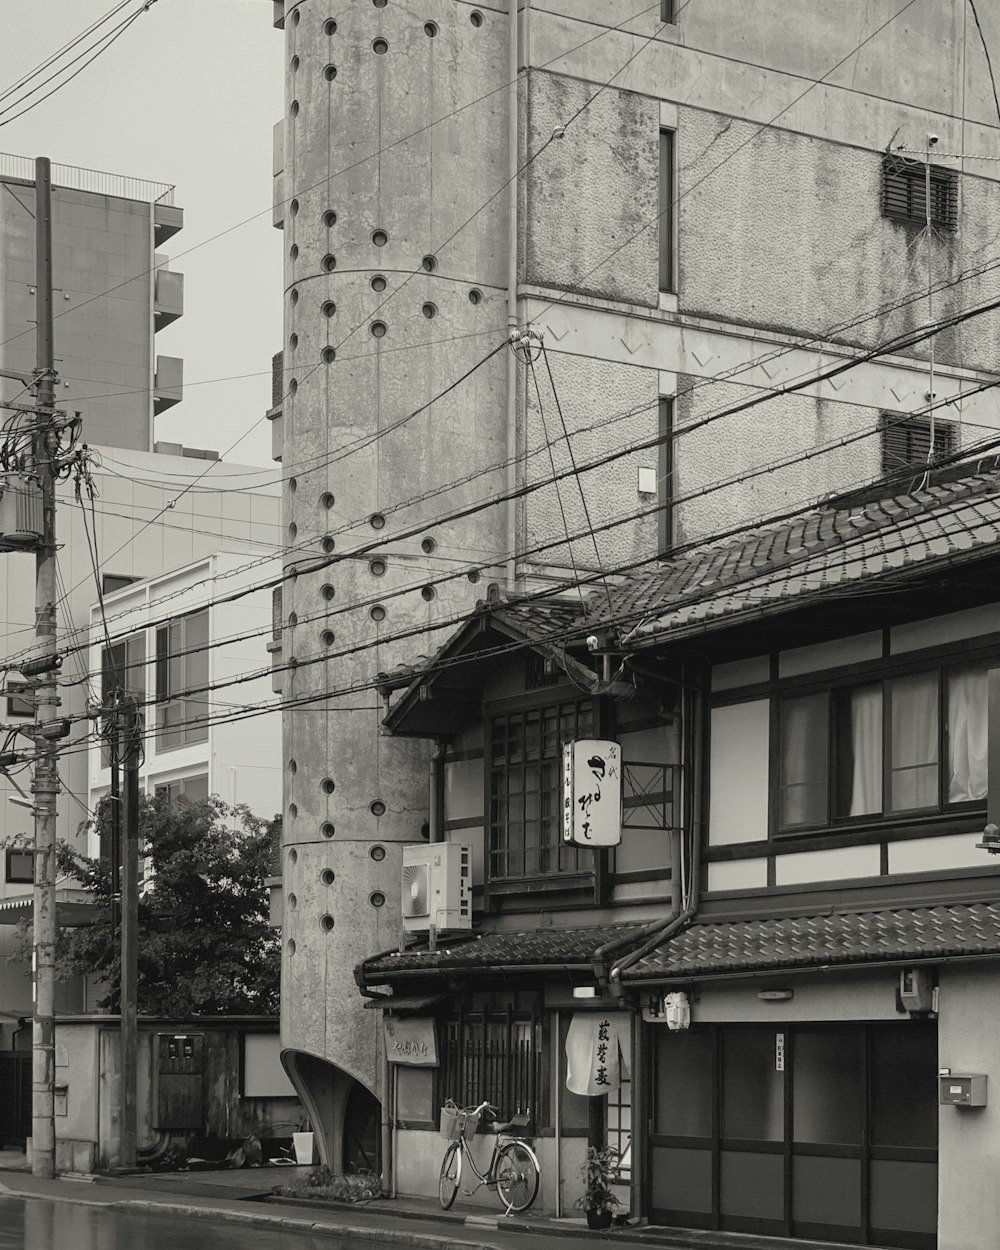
592,792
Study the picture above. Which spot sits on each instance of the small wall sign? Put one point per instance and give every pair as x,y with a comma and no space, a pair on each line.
592,792
412,1042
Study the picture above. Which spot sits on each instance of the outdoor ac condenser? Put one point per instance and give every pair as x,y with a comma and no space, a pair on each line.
437,887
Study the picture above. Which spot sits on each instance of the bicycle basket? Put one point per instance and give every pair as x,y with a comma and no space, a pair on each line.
454,1119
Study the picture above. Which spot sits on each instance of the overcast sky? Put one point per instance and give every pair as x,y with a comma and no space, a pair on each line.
188,95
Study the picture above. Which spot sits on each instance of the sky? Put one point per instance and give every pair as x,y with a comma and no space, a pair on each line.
188,95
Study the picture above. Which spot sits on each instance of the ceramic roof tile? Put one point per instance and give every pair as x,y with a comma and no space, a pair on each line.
706,948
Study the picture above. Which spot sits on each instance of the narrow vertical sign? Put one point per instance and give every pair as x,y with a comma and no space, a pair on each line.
779,1052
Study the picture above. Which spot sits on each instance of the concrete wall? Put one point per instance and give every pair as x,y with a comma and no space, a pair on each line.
969,1139
349,405
102,251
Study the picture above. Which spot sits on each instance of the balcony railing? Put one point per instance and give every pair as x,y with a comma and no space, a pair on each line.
98,181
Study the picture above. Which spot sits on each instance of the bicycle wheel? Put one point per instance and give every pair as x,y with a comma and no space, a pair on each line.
451,1175
517,1176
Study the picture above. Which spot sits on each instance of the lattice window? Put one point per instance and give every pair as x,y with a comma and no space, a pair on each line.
492,1057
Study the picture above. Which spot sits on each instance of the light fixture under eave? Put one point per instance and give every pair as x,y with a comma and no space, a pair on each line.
585,991
775,996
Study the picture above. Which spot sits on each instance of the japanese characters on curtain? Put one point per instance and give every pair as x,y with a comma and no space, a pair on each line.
598,1045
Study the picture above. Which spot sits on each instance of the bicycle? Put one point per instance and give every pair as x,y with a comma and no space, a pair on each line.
513,1167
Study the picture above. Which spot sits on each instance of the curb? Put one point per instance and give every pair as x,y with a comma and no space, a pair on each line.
376,1236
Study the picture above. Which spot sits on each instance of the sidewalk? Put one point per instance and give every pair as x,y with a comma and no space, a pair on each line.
235,1197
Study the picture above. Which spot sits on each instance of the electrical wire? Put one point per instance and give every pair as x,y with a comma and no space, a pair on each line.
70,44
986,53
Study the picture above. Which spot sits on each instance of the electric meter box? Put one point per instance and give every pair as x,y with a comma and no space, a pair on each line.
963,1089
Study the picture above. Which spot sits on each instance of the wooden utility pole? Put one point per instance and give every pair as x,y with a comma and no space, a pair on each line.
45,784
130,739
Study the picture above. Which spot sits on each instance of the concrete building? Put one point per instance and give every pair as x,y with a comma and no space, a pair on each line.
697,208
217,526
113,289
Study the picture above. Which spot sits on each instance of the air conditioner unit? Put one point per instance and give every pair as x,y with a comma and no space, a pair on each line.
20,514
437,887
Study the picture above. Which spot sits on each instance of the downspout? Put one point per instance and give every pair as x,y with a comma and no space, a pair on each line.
387,1119
512,322
435,793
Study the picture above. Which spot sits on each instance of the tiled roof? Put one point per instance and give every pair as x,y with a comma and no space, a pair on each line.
549,947
815,552
706,948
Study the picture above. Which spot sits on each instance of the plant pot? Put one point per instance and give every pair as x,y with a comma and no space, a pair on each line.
304,1145
599,1217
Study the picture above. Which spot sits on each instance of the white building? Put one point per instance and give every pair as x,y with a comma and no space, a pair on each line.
164,523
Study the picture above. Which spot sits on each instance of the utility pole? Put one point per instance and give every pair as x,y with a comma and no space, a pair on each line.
130,738
45,784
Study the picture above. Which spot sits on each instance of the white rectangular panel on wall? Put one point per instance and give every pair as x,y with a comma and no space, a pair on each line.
970,623
738,770
741,673
938,854
833,654
263,1075
736,874
837,864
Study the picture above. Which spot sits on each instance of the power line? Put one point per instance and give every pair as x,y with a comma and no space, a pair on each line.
986,53
72,43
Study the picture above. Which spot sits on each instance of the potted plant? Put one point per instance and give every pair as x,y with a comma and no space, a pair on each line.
598,1173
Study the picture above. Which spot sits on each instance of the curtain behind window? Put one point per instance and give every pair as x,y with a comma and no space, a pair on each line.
865,762
914,760
804,760
967,733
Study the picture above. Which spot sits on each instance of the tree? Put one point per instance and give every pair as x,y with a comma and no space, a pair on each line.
205,945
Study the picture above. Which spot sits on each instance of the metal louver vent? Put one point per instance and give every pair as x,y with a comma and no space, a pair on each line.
906,441
277,379
904,192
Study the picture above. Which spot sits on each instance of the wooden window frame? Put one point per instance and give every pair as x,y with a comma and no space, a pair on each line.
835,690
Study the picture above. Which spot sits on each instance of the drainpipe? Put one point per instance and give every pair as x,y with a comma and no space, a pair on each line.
512,241
435,793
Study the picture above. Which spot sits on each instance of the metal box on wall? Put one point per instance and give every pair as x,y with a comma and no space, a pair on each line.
180,1069
962,1089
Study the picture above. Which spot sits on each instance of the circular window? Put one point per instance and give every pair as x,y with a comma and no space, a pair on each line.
293,620
475,296
376,898
379,329
293,252
326,923
293,341
328,544
327,785
429,264
377,853
330,73
293,856
328,637
295,63
377,613
328,592
327,876
380,238
473,575
428,545
377,521
429,310
293,208
380,4
293,530
293,767
327,830
428,593
379,283
329,27
295,108
329,355
380,46
329,263
329,308
293,902
377,808
291,941
329,218
430,29
327,500
476,18
377,568
295,295
293,485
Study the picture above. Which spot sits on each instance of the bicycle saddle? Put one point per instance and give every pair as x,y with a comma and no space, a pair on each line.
503,1128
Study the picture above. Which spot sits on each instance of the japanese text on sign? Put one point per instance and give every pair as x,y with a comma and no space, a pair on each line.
592,793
